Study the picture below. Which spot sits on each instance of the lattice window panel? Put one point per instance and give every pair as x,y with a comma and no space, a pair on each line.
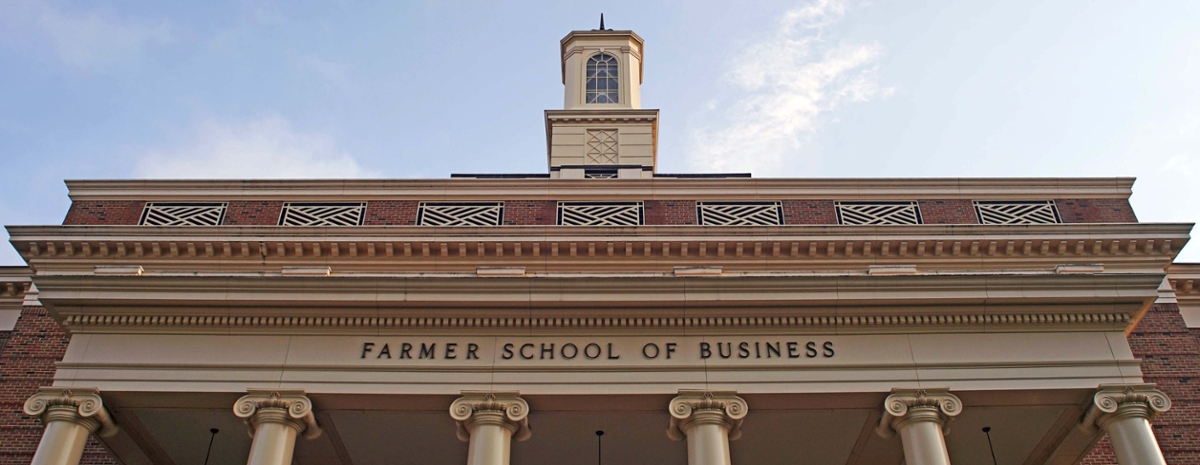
460,213
740,213
600,213
601,147
600,174
1039,212
878,213
182,214
322,214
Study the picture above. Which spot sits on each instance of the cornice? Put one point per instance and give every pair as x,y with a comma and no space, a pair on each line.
1147,246
15,281
1185,280
591,189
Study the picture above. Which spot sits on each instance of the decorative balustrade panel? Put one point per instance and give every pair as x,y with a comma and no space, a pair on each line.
600,214
878,213
182,214
740,213
322,214
1039,212
460,213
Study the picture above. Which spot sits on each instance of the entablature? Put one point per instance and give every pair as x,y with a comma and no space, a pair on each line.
562,302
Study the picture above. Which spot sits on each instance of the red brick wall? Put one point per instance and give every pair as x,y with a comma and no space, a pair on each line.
253,212
947,211
27,362
1095,211
530,212
105,212
670,212
809,212
1170,356
391,213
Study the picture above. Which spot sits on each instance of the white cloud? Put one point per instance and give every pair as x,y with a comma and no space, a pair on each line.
87,40
266,148
783,89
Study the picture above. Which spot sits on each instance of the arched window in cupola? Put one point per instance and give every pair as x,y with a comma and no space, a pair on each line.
602,83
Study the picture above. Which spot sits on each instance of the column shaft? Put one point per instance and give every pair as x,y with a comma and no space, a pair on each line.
63,441
490,441
923,442
708,444
1133,441
273,444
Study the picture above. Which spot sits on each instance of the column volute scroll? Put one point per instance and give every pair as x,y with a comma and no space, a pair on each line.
505,408
288,406
691,406
1125,411
904,406
82,406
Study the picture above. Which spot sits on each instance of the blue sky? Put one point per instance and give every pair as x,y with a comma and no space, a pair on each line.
817,88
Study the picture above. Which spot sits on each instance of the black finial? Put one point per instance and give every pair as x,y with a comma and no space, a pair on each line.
601,21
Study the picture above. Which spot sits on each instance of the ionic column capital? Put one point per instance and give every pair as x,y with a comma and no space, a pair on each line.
82,406
287,406
692,407
1113,401
905,406
503,408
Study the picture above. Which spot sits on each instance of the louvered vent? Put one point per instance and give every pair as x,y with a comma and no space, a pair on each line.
1039,212
600,213
182,214
740,213
878,213
460,213
322,214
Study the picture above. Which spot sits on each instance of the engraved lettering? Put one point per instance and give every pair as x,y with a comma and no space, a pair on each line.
405,348
587,351
744,350
611,355
471,348
810,350
547,350
774,349
384,351
427,353
725,350
705,350
450,346
508,352
646,350
793,351
670,349
367,348
526,346
574,351
828,349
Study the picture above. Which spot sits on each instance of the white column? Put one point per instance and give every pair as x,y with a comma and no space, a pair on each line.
920,416
488,422
274,418
70,416
709,420
1125,412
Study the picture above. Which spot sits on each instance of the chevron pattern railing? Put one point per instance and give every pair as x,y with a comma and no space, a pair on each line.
1038,212
182,214
740,213
322,214
600,214
878,213
460,213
